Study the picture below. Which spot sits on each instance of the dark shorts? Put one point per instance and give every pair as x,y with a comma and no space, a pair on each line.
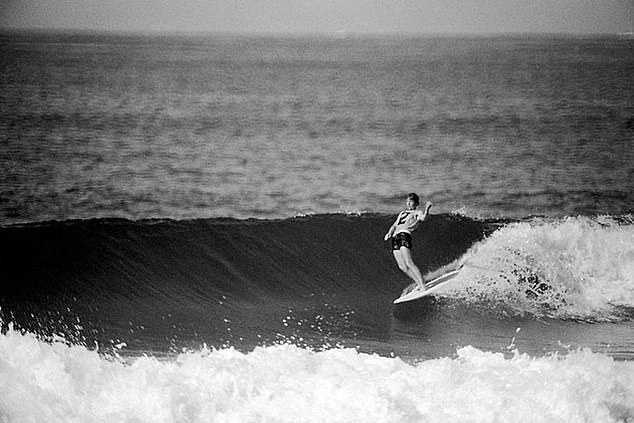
402,239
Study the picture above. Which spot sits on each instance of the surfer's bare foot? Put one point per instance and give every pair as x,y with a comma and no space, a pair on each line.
422,287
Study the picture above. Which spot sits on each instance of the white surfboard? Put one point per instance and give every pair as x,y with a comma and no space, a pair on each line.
432,286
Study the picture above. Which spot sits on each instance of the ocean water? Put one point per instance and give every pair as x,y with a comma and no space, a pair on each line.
139,127
191,228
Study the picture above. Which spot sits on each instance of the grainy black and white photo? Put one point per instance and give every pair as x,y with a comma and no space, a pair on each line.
316,211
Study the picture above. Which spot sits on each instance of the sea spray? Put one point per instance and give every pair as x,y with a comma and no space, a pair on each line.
56,382
572,268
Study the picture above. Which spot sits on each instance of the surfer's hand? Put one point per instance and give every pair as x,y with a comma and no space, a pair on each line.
428,205
386,237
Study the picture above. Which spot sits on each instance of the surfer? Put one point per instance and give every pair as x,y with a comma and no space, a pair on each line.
401,233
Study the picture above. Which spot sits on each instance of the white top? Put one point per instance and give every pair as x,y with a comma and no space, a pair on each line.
408,221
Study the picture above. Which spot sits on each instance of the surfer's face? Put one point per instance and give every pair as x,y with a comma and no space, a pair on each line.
411,204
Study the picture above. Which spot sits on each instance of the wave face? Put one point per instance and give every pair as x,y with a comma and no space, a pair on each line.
210,275
320,281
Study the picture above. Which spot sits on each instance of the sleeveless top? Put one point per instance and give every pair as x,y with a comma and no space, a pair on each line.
407,221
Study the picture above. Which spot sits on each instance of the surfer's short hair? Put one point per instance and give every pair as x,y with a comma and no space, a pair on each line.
414,197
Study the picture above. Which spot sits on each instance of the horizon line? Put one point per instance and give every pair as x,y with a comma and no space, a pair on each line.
342,34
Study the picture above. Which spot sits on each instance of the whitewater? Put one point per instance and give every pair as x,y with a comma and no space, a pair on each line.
60,383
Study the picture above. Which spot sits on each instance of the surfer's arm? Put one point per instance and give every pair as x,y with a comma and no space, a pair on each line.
423,215
389,233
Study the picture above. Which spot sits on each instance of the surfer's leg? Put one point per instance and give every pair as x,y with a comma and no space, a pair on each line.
406,264
398,256
414,271
403,267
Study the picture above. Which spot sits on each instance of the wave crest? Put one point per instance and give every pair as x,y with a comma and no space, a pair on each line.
577,267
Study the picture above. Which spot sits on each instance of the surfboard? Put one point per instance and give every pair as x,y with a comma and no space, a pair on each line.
432,286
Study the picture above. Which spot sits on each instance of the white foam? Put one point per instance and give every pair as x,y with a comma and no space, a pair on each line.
43,382
587,263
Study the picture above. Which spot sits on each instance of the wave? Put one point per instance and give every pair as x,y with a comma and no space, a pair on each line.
226,279
59,383
211,258
575,267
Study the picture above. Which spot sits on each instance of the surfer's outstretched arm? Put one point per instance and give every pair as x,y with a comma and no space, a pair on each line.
425,212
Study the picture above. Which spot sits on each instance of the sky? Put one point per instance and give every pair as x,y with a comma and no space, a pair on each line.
324,16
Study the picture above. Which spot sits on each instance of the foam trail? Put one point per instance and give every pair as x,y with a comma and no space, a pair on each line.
44,382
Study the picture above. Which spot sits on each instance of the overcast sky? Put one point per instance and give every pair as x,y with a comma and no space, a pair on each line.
324,16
